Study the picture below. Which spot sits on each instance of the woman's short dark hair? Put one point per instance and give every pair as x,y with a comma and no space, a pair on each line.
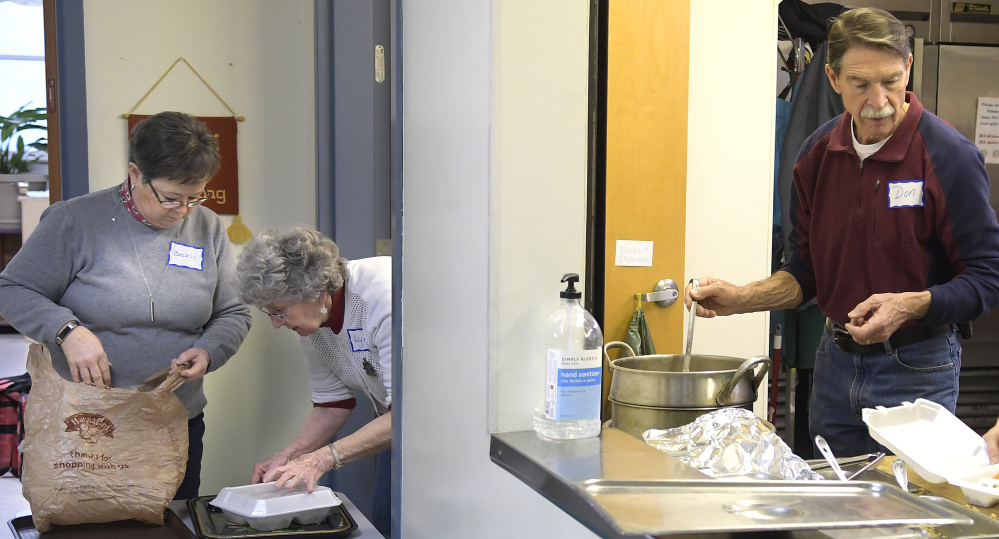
868,27
175,146
292,265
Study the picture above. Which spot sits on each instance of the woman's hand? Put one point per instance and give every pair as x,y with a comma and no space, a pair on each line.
262,468
307,469
193,363
992,442
88,363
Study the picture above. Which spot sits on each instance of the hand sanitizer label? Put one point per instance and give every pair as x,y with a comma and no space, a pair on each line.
573,390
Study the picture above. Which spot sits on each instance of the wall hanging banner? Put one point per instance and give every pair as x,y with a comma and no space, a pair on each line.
223,190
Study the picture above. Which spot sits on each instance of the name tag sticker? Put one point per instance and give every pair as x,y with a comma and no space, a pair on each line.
186,256
905,194
358,340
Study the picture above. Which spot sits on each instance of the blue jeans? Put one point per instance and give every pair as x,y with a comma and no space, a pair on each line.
195,448
843,384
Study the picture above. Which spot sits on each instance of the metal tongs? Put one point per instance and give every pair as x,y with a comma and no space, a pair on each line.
870,459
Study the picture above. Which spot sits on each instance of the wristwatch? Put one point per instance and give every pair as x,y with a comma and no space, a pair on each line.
64,332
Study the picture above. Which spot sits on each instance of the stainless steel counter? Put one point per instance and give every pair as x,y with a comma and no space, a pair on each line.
580,477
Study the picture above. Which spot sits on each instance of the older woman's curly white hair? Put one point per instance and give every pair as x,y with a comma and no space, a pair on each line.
289,265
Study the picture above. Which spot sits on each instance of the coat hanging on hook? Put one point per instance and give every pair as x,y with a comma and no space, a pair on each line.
639,337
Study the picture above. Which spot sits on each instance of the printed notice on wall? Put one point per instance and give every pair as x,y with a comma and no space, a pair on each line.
633,253
987,128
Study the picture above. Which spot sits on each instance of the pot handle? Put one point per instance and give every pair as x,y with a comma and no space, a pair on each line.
747,368
618,344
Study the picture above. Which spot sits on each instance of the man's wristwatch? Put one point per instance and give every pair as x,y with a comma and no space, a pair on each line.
64,332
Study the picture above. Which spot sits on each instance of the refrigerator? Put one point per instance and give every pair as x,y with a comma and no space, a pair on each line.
949,79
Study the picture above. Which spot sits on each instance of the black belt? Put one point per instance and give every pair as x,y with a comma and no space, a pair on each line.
902,337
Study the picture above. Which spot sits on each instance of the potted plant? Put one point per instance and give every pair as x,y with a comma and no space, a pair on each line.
15,161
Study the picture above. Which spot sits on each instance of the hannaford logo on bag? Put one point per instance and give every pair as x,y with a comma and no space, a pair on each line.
92,427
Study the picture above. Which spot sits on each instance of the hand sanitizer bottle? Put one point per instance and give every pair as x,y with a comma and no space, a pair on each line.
573,343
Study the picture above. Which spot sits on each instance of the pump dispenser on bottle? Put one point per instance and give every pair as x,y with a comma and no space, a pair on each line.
573,344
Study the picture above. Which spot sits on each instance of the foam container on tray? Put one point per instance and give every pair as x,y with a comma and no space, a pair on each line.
938,446
266,508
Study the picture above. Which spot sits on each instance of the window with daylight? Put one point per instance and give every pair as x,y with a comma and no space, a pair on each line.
22,59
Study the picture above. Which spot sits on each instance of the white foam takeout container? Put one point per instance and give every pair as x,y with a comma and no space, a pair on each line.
938,446
266,508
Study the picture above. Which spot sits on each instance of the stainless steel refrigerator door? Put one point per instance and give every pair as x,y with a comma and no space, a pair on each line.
966,73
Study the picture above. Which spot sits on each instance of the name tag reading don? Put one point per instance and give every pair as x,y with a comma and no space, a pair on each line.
186,256
905,194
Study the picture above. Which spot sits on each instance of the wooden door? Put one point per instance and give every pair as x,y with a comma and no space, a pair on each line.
648,45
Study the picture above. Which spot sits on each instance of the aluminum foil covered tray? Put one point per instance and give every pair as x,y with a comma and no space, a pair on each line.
731,441
264,507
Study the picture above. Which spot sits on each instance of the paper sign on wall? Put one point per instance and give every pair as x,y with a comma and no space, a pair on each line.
633,253
987,128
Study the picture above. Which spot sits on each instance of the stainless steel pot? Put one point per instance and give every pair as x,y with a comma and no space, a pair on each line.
660,381
635,419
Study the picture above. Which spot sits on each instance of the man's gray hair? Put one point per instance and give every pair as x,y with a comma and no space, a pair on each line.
290,265
868,27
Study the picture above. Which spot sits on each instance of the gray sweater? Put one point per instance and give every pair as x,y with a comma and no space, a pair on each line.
81,263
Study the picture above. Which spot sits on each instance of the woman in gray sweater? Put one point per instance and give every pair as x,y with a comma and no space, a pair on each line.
125,282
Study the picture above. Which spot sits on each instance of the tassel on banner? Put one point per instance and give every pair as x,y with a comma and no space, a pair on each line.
238,232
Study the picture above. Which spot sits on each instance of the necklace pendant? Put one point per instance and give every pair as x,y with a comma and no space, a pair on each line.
152,314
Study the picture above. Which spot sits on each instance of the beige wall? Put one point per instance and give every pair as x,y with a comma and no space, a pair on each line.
258,55
730,159
486,119
537,231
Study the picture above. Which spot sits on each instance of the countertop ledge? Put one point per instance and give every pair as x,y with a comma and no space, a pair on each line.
561,471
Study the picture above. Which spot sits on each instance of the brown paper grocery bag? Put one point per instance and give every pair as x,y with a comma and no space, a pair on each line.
99,455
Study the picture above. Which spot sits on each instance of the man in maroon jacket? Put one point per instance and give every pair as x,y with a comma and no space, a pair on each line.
893,236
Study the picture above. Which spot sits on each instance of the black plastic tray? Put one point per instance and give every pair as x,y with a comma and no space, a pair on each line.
210,523
173,528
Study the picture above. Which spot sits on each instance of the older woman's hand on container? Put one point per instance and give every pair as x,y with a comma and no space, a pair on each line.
992,441
260,470
88,363
307,469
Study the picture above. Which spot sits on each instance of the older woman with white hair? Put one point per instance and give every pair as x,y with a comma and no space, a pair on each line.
342,312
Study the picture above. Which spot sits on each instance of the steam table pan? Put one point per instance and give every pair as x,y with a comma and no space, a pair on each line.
667,507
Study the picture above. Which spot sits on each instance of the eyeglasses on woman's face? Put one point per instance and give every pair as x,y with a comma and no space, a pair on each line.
276,316
174,204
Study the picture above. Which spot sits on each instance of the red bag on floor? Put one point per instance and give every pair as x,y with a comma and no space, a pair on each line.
98,455
13,394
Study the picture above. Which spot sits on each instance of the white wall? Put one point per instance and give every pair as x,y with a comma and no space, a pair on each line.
258,55
537,215
484,135
493,136
730,161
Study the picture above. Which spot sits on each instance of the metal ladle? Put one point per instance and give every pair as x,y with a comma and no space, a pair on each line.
690,327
